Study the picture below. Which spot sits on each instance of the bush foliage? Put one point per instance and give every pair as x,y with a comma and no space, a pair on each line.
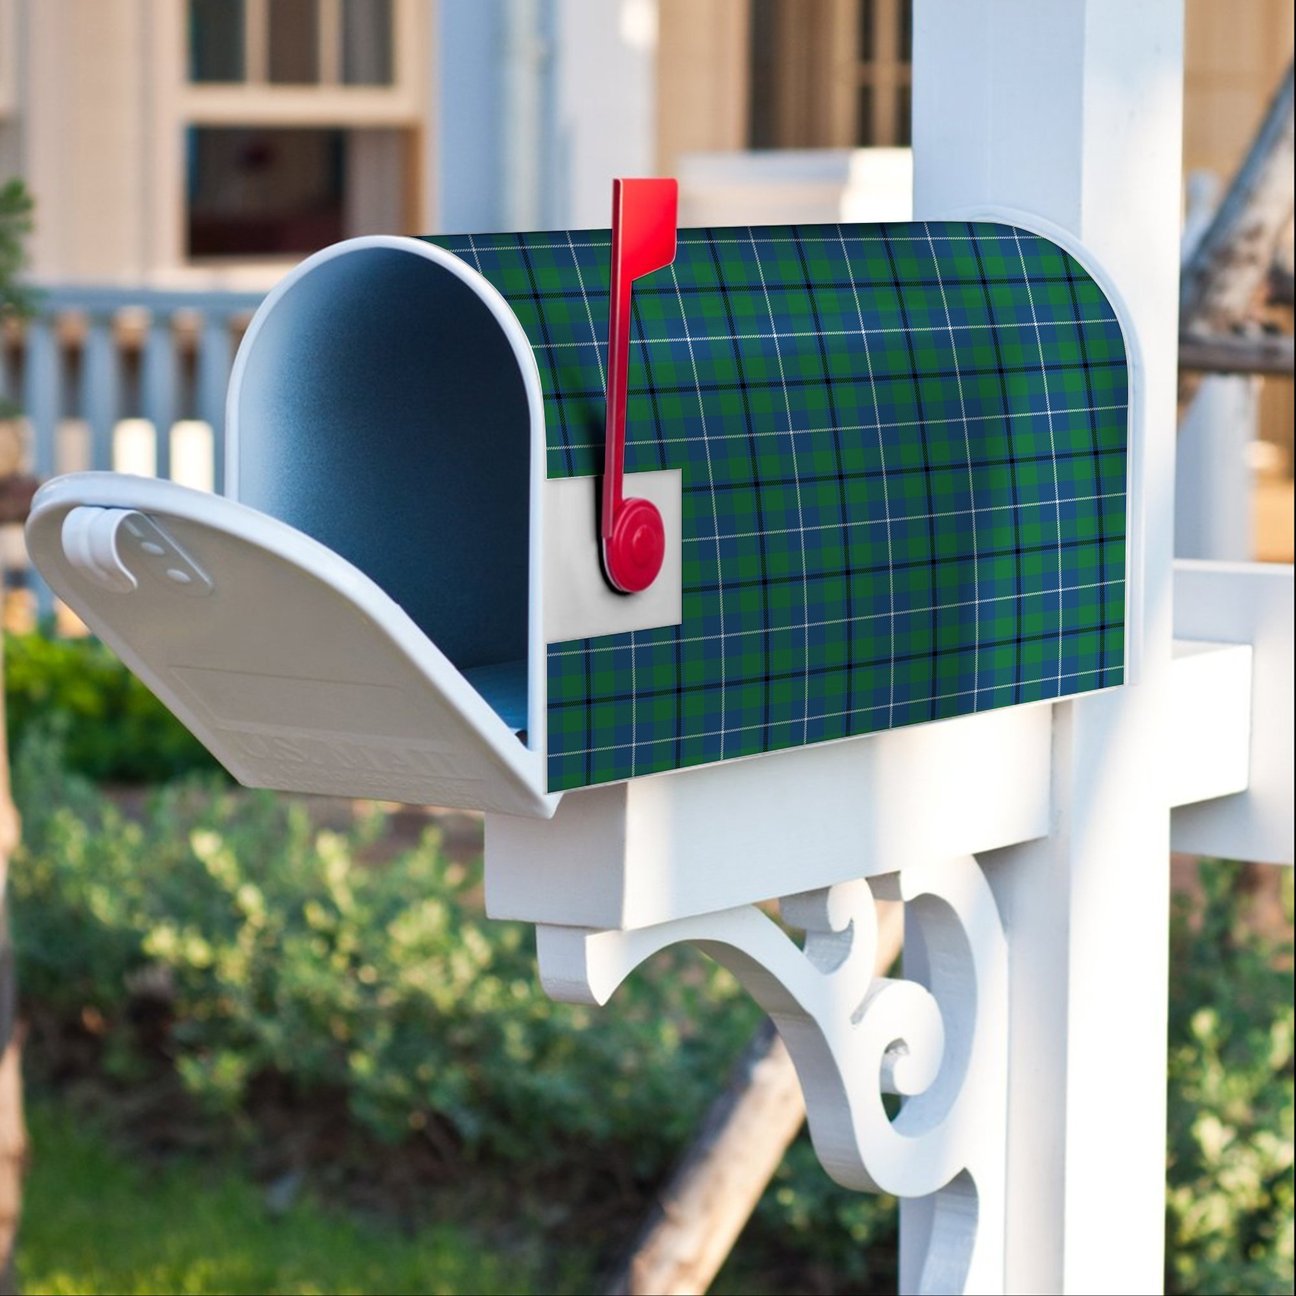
281,952
112,728
1230,1198
16,299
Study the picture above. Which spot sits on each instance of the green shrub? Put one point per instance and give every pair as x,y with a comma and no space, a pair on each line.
846,1239
113,728
1230,1200
283,954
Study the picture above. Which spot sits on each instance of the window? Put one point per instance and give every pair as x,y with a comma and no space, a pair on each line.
291,42
264,192
366,42
297,123
830,73
293,53
884,70
256,192
216,49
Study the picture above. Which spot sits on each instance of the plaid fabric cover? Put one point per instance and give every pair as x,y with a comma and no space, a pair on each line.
903,451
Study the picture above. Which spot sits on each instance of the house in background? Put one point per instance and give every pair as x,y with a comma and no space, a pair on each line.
164,135
212,142
204,146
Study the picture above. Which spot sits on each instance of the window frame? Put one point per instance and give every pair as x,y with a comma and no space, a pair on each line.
181,104
255,100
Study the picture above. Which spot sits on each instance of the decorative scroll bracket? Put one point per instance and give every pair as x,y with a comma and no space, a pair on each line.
938,1037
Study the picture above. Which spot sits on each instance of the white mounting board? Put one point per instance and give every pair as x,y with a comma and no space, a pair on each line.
1208,752
693,842
578,601
1244,603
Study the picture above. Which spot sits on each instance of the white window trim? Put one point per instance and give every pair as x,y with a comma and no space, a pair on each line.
180,104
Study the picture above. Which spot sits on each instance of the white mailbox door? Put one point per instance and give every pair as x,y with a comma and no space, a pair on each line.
287,662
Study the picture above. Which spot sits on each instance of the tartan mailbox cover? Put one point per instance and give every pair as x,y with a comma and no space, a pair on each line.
891,460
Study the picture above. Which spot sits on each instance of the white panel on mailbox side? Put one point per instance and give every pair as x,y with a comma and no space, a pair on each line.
287,662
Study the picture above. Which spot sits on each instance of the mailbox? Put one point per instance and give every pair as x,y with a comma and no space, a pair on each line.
888,465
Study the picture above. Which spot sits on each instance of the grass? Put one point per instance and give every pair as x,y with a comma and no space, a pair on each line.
95,1221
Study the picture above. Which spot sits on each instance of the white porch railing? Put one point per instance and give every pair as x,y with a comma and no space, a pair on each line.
131,380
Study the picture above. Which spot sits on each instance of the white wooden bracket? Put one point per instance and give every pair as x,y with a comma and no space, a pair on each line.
936,1037
622,872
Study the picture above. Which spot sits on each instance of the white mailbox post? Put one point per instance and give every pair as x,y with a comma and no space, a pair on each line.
408,601
1032,847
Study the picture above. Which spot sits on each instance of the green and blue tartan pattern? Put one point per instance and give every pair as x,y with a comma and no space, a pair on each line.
903,451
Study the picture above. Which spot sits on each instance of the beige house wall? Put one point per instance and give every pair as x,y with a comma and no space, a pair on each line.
9,138
83,86
1234,56
702,83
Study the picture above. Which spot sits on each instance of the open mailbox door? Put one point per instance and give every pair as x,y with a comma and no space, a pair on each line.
293,667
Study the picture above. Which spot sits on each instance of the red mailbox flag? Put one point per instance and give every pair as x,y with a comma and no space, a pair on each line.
644,216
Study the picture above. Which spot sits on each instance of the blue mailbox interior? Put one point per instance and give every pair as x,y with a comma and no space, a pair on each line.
382,411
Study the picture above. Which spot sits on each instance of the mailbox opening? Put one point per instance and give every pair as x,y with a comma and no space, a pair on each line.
380,406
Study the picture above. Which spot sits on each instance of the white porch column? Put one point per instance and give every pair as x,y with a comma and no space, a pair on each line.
604,91
1072,112
1214,507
